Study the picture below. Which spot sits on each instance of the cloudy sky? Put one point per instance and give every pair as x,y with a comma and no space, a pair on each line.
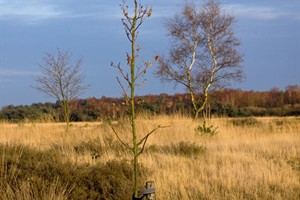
268,29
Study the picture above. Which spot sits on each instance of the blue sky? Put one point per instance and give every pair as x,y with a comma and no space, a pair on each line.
269,31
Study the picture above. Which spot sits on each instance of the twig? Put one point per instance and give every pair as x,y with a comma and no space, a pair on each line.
124,91
144,140
123,143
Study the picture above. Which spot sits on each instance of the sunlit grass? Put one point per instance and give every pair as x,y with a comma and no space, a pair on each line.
257,158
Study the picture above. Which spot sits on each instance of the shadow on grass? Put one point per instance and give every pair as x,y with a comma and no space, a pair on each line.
40,170
185,149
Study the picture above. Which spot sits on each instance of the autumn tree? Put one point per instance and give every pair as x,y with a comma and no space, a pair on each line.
293,94
133,77
61,79
203,52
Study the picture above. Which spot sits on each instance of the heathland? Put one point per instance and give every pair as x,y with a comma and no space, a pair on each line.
247,158
225,103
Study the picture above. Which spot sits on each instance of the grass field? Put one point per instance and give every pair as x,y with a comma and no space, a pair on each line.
253,158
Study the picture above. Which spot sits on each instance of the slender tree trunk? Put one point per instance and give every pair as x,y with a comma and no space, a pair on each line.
132,95
192,95
201,108
131,25
66,114
197,108
211,80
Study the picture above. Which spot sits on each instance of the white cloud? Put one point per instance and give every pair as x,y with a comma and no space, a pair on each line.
30,11
36,11
9,72
260,12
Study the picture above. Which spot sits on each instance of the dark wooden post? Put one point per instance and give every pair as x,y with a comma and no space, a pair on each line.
148,192
150,185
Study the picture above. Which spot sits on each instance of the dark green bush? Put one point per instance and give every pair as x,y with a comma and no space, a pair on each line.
110,181
206,130
19,165
231,110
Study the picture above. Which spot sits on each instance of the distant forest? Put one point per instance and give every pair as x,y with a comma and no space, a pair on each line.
222,103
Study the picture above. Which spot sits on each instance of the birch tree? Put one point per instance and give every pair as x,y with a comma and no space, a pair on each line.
203,52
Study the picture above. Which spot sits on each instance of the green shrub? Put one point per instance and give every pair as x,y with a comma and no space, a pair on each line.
206,130
256,111
110,181
42,170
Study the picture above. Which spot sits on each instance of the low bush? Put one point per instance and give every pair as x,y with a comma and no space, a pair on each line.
41,170
206,130
110,181
186,149
92,146
246,122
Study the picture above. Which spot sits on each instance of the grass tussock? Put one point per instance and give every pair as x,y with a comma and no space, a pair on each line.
186,149
251,158
251,121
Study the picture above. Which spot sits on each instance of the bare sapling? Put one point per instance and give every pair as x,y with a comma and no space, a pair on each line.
61,80
131,77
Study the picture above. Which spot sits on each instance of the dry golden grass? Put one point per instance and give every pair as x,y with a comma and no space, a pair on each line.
246,160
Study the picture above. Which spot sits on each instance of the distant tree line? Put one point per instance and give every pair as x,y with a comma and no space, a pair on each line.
225,103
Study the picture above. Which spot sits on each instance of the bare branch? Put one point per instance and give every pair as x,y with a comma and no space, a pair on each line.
144,139
124,91
122,142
